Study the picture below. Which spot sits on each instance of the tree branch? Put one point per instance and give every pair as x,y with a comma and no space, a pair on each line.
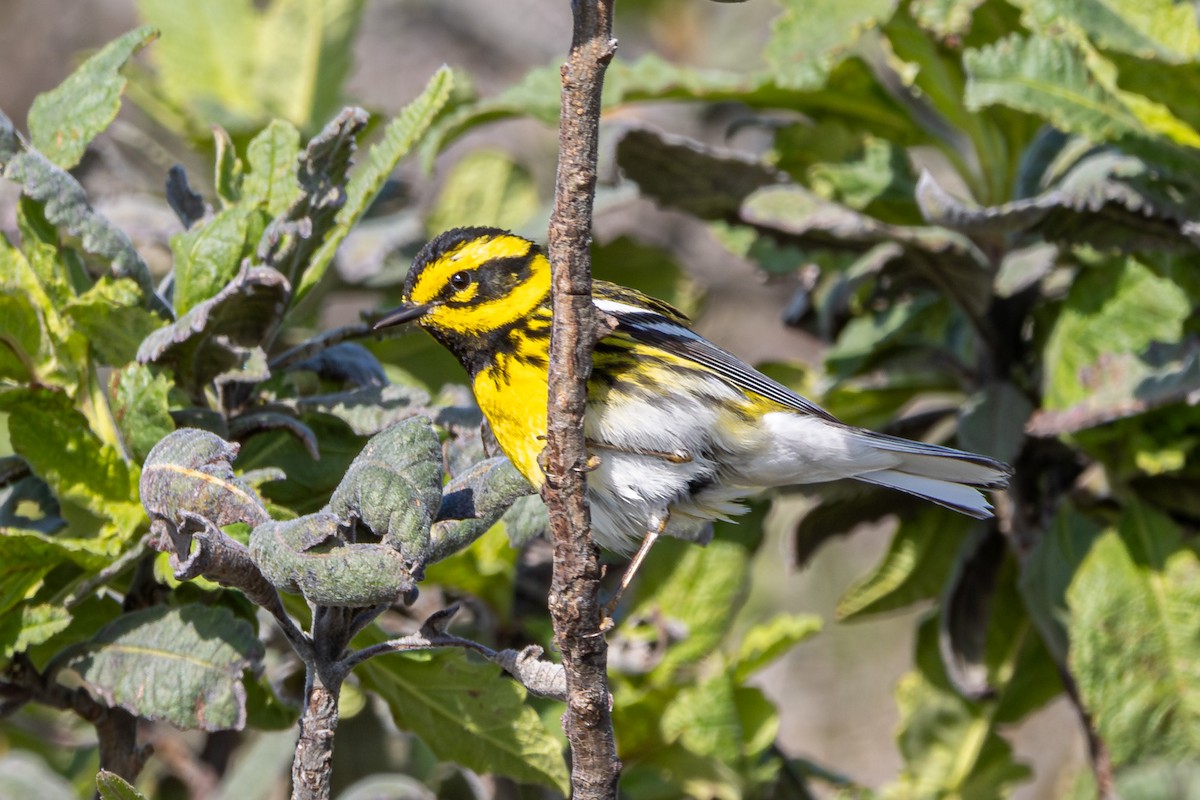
574,594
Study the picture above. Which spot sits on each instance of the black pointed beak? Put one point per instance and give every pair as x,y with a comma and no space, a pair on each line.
404,313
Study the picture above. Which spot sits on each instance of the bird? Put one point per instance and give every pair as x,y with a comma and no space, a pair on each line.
680,431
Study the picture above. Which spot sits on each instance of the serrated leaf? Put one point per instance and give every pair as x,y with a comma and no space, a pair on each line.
140,407
208,255
111,786
303,224
1151,29
64,120
179,664
30,625
767,641
486,187
111,317
43,425
468,713
400,135
1135,638
1116,308
919,560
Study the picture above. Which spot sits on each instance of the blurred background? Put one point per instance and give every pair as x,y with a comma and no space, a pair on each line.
835,691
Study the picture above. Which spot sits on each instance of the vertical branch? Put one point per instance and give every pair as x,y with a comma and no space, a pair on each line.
574,594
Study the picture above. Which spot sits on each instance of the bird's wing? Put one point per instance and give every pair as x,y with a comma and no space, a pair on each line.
668,330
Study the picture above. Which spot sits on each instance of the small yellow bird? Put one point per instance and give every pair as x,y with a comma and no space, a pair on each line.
682,429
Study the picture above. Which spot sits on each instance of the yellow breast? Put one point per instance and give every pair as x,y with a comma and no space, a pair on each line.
512,395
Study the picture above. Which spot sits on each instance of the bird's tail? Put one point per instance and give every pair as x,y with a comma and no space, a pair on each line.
946,476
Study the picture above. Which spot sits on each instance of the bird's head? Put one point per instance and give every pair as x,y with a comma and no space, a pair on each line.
470,282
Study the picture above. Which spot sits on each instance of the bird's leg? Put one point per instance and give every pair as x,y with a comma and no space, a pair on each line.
674,457
643,550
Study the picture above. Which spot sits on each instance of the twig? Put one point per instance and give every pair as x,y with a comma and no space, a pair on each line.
543,678
574,594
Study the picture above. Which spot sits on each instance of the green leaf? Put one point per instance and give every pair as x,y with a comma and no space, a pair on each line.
179,664
809,37
944,18
140,407
399,137
1135,638
767,641
44,426
468,713
704,719
1048,572
917,564
1112,309
485,188
24,562
1069,84
111,786
64,204
64,120
111,317
951,747
272,156
1151,29
208,256
305,56
219,339
206,57
30,626
699,589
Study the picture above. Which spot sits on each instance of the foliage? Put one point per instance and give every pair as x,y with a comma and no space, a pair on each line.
997,199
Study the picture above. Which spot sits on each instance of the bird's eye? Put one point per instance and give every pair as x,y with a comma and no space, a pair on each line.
460,280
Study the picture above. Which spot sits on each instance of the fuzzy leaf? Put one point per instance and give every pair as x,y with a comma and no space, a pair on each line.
809,38
179,664
394,487
110,316
467,713
367,410
64,120
311,556
1151,29
271,158
192,470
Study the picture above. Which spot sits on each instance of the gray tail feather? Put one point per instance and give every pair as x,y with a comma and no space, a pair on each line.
948,477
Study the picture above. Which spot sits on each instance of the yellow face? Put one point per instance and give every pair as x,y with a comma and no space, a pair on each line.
472,281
